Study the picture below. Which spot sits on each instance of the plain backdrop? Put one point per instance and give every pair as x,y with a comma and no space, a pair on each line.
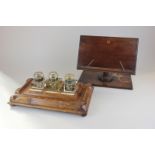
24,50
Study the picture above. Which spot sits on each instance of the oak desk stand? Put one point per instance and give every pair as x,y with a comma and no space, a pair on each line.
76,103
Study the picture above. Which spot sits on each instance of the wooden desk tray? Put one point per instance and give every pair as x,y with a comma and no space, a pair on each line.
76,103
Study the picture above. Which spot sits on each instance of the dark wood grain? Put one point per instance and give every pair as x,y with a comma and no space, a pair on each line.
99,55
108,54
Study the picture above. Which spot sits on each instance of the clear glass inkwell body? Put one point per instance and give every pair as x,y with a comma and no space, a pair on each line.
38,80
70,83
54,83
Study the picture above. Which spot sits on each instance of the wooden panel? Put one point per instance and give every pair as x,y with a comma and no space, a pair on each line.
77,103
108,54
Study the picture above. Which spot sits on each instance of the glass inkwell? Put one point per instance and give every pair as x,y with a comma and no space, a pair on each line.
70,83
38,80
54,83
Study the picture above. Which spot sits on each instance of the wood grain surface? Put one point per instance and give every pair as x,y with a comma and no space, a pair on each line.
108,54
76,103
